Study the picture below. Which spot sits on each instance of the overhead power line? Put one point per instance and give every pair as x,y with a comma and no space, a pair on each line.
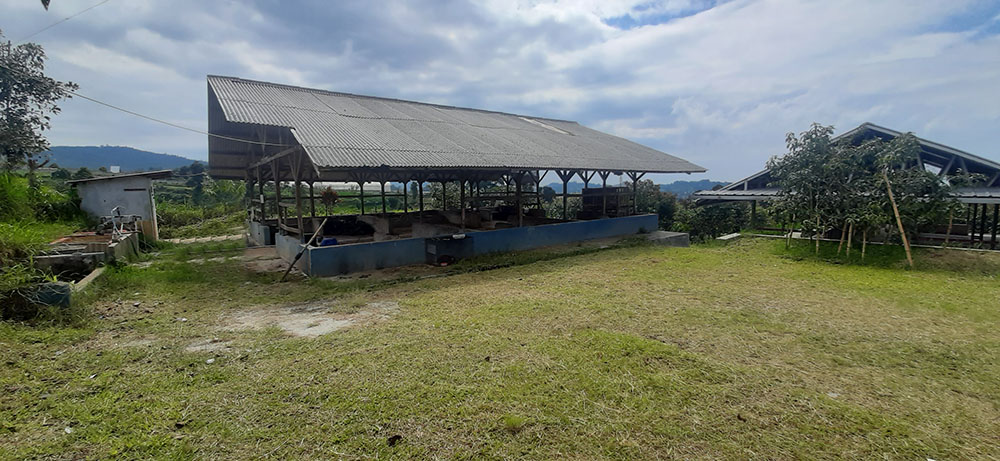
193,130
154,119
67,18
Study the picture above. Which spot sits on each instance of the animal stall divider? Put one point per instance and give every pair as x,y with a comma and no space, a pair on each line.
304,248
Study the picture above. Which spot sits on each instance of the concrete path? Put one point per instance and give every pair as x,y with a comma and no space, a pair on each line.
217,238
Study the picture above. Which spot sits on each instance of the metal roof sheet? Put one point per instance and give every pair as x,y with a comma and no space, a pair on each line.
340,130
157,174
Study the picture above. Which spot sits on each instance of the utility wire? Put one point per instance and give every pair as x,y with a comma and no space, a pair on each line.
67,18
153,119
193,130
112,106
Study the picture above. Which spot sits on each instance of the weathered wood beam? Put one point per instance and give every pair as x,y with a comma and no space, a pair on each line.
283,153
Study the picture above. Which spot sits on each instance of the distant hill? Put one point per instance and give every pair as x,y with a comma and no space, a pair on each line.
681,189
128,158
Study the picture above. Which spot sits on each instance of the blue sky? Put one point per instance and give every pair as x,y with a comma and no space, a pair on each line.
719,83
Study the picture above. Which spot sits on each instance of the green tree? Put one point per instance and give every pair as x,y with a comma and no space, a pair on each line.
858,185
28,99
650,199
83,173
805,177
61,173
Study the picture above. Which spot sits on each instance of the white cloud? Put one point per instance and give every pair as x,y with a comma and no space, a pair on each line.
719,86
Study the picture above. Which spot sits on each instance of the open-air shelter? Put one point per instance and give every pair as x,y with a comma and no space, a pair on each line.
269,134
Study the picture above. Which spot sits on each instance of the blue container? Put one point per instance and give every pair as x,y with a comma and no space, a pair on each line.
327,242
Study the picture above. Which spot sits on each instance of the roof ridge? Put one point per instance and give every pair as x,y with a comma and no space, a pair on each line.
381,98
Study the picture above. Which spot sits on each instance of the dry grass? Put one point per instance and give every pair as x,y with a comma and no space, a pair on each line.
635,352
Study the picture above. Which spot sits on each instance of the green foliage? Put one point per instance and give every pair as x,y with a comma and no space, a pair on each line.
650,199
83,173
18,201
179,220
708,222
61,173
28,101
844,184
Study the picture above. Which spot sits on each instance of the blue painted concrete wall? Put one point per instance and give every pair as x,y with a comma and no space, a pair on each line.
526,238
344,259
287,247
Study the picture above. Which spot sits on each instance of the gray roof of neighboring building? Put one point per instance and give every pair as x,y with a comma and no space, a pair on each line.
340,130
158,174
745,190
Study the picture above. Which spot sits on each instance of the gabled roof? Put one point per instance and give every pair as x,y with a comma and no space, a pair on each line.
341,131
941,156
158,174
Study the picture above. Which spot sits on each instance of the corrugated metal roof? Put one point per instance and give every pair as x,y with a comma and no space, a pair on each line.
157,174
339,130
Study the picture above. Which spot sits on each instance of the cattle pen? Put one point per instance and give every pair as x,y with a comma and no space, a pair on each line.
270,134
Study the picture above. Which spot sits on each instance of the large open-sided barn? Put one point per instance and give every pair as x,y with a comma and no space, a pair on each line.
270,134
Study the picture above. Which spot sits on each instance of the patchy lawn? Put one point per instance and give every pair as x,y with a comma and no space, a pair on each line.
629,352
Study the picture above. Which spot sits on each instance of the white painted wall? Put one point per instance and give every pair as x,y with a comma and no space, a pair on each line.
133,194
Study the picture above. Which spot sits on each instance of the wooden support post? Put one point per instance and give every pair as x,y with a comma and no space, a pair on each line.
753,216
461,201
420,196
444,195
996,218
586,178
361,195
296,162
538,188
382,194
406,197
565,176
604,192
260,187
635,177
312,200
520,205
276,175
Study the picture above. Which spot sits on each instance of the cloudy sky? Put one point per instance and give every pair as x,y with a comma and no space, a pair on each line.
715,82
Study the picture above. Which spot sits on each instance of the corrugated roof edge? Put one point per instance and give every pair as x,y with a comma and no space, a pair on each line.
158,174
352,95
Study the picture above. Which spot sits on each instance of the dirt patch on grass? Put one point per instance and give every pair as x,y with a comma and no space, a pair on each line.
263,259
309,320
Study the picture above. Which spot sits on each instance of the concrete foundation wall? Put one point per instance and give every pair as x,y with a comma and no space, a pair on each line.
333,260
260,234
344,259
287,246
526,238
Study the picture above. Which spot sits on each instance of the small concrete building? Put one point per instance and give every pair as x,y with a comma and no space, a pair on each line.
132,193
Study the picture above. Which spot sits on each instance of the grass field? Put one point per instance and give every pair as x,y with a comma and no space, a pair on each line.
742,351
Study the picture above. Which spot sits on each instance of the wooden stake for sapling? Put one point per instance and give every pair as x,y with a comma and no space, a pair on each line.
899,221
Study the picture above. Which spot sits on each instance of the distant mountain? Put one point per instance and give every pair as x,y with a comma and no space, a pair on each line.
128,158
681,189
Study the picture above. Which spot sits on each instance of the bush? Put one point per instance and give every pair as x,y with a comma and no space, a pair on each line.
181,220
19,202
708,222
